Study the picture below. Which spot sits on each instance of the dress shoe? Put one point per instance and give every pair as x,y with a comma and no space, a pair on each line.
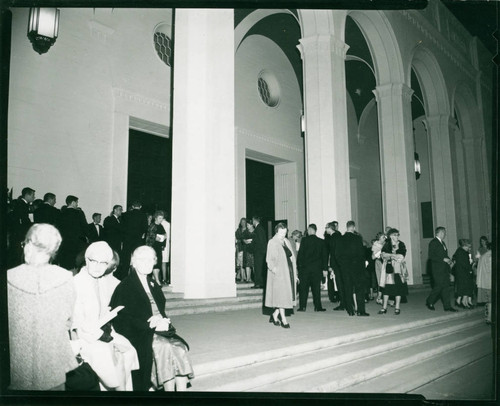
275,322
362,313
339,308
451,309
397,312
322,309
430,306
351,313
301,309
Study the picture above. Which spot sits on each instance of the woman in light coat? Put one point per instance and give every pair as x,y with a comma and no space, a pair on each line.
109,354
281,276
484,282
40,305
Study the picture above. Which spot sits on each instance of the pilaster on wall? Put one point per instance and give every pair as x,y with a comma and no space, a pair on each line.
438,128
326,142
399,192
203,176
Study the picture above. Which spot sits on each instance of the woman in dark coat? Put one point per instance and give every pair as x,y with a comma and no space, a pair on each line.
393,275
156,237
163,361
464,283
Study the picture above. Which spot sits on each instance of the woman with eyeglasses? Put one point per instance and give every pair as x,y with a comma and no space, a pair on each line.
163,355
393,275
40,305
109,354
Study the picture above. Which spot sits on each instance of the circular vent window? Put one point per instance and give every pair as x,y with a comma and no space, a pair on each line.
163,43
269,89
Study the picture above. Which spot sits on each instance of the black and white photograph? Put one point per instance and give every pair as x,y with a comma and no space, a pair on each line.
249,201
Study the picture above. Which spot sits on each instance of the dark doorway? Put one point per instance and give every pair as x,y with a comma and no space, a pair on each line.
260,190
150,171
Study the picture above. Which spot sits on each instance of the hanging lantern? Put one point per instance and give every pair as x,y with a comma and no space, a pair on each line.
43,28
417,166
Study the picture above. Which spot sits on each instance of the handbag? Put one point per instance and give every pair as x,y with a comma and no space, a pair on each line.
82,378
172,333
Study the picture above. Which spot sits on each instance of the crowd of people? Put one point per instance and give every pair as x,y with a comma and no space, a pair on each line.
73,325
353,271
123,231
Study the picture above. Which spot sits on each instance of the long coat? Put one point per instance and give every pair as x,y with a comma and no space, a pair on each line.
40,305
132,322
464,283
280,288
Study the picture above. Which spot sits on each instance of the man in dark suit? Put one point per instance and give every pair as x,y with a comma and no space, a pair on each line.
18,224
94,229
46,212
311,262
73,228
135,226
350,254
113,229
440,267
331,238
259,247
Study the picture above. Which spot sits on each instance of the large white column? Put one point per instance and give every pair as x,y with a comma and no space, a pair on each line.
203,174
399,191
443,202
326,142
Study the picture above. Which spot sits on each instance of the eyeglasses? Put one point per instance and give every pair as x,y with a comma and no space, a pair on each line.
94,261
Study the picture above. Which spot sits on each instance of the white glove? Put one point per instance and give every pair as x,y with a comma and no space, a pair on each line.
163,325
154,320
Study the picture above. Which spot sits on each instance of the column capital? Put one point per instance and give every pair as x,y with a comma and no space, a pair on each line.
322,44
393,90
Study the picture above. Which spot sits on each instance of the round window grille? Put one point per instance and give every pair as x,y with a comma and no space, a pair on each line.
163,43
269,89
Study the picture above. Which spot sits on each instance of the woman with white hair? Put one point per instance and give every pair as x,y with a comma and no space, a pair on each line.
109,354
40,305
163,355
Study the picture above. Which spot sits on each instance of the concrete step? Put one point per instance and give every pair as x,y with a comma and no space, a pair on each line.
268,367
246,298
415,375
338,377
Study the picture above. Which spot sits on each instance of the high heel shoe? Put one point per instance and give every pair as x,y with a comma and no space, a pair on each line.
382,311
287,325
275,322
397,311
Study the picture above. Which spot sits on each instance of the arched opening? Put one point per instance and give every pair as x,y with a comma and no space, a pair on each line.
362,119
268,110
426,76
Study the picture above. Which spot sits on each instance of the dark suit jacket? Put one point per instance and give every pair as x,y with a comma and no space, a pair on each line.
46,214
312,254
19,220
92,233
259,242
437,253
113,232
72,225
135,225
350,253
132,321
330,246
